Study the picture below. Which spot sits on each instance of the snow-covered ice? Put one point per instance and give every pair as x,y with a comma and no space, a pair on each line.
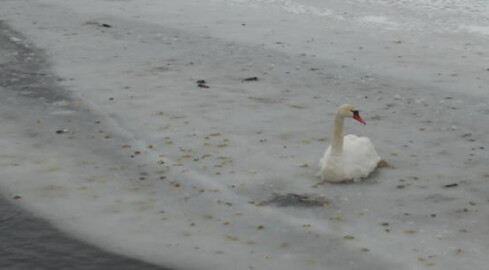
150,165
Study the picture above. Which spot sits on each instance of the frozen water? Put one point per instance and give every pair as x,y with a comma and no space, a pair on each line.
155,167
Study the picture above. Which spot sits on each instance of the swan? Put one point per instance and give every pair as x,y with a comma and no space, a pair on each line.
350,157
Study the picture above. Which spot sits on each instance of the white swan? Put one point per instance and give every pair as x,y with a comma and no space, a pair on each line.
347,158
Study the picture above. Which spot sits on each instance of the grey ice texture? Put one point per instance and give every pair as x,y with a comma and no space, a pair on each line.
149,165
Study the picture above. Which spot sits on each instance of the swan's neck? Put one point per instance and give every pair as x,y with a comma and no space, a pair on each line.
337,141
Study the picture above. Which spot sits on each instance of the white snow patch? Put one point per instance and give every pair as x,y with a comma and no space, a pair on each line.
476,29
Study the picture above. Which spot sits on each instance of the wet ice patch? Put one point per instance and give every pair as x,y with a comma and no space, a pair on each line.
297,200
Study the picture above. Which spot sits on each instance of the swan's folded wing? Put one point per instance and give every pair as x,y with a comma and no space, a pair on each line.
360,156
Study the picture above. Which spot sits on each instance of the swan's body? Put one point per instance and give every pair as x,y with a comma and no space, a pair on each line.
349,157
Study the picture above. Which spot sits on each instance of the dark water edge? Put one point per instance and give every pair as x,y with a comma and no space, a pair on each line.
29,243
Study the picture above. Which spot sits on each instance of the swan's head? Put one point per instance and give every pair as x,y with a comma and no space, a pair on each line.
348,110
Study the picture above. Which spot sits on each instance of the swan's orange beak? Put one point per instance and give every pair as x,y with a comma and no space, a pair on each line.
357,117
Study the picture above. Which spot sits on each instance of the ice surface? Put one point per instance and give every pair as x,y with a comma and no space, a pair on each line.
155,167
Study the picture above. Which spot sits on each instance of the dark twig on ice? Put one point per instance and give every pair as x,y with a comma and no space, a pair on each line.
251,79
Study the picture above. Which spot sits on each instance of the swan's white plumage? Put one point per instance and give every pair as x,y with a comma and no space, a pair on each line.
358,160
349,157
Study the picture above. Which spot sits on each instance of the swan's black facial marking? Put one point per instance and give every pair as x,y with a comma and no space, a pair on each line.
356,116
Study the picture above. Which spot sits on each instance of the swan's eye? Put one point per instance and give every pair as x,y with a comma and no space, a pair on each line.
355,112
